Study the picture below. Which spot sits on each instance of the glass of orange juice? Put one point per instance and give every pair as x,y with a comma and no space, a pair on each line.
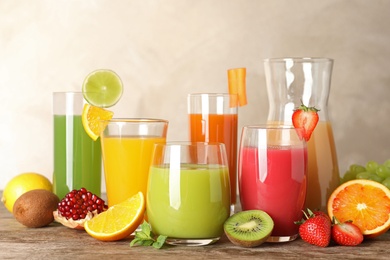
127,147
212,118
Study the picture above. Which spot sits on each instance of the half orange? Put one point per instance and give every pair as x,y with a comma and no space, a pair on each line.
119,221
92,119
364,202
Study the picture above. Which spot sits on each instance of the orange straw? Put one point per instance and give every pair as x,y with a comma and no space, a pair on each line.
237,85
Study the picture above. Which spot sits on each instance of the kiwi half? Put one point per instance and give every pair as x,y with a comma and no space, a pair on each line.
248,228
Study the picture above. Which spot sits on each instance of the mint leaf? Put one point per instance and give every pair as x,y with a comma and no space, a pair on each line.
145,227
145,237
160,242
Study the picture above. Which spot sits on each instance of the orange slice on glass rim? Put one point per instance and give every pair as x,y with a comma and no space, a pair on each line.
93,119
364,202
118,221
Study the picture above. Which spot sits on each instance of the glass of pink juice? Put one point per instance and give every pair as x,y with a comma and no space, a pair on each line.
188,198
272,174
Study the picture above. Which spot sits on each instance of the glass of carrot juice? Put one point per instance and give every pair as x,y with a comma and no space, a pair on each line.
213,118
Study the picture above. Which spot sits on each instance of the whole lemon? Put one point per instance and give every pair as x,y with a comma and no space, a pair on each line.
22,183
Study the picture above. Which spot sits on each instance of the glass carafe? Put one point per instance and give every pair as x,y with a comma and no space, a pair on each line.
291,82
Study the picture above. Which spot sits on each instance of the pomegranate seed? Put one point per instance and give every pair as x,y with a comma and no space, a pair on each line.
77,204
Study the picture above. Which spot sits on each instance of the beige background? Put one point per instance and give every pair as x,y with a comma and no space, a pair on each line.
165,49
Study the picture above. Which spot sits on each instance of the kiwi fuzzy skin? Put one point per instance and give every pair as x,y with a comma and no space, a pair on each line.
247,244
241,218
35,208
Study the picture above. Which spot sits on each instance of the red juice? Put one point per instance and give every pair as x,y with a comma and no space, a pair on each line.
274,181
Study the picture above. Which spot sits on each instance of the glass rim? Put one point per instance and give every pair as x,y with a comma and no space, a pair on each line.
299,59
196,94
189,143
66,92
136,120
270,127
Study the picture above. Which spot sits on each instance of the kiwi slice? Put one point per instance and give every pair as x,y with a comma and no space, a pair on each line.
248,228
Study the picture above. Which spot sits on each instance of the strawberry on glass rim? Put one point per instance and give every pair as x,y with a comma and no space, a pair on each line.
305,120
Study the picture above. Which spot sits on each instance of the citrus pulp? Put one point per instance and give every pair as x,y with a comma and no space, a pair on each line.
94,120
102,88
119,221
364,202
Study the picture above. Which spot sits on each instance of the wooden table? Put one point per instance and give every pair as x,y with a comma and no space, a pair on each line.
58,242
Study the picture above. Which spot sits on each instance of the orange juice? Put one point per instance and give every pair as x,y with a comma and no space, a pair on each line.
323,171
220,128
126,165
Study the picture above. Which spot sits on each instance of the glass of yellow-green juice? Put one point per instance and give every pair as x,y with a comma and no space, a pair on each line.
188,195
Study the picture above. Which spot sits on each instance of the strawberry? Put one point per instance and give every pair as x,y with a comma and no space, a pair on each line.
315,229
346,233
305,120
320,213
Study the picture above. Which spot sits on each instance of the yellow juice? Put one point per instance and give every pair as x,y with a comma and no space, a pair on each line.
126,165
323,170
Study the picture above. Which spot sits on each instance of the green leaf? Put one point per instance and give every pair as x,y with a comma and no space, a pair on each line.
135,241
145,227
145,237
142,235
160,242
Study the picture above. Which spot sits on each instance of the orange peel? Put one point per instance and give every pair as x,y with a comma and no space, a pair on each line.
237,86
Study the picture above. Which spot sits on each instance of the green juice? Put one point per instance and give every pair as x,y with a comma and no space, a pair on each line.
191,203
77,158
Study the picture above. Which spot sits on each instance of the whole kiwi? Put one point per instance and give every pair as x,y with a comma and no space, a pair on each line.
35,208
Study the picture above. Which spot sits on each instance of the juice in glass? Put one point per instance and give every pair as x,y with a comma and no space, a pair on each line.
292,81
77,158
323,168
220,128
126,165
193,202
275,184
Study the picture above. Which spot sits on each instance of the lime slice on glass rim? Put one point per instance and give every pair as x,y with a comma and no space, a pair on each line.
102,88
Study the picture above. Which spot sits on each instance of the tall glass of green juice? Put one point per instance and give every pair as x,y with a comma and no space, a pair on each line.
77,158
188,195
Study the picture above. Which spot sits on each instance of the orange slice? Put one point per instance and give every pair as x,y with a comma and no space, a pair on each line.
237,86
366,203
92,120
118,221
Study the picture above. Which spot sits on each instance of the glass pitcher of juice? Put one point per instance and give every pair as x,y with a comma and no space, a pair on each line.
290,83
